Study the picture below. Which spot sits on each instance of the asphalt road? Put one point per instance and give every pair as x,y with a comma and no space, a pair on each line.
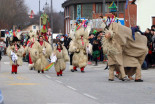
91,87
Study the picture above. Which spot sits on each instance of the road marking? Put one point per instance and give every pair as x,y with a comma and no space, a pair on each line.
48,76
58,81
11,78
21,78
24,84
7,63
58,103
72,88
90,96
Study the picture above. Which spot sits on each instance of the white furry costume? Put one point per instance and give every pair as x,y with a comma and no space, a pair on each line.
79,46
19,54
40,54
31,41
62,58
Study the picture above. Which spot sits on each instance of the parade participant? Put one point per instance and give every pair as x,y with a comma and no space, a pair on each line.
96,52
115,59
62,57
40,53
123,52
15,52
44,22
71,37
80,45
30,42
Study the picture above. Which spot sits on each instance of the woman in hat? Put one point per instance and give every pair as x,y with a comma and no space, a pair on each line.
15,52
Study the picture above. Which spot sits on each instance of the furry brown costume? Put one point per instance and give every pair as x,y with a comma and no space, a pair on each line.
123,50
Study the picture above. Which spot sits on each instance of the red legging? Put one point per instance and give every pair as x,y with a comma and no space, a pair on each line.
14,68
30,60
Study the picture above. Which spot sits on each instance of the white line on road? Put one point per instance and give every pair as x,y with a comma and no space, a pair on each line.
90,96
71,88
58,81
7,63
48,76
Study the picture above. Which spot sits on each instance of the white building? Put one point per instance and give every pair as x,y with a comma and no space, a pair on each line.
34,28
145,13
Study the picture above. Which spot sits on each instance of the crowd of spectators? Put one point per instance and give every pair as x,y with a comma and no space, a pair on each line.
150,58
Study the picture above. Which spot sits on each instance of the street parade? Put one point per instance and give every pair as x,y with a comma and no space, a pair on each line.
107,53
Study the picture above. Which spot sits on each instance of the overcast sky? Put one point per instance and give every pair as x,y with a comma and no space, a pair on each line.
34,5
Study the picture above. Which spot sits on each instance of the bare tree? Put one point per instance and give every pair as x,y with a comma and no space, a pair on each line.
13,12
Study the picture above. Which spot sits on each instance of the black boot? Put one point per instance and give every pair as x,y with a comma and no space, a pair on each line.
72,70
15,72
12,72
38,71
111,80
139,80
42,71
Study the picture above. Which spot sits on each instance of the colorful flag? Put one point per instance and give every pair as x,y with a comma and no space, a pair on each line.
48,67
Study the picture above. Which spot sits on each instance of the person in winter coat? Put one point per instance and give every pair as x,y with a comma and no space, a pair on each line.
96,52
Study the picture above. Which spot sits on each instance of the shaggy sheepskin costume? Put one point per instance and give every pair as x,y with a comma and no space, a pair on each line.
79,46
40,53
62,58
30,42
18,50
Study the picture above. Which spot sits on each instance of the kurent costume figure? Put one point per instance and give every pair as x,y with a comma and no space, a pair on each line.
124,52
15,52
44,22
30,42
40,52
62,57
80,46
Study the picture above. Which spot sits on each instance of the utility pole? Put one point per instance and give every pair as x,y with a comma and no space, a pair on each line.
103,7
39,7
51,23
39,19
118,8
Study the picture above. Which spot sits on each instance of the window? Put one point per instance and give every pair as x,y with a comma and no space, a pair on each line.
106,7
67,11
34,27
121,7
99,8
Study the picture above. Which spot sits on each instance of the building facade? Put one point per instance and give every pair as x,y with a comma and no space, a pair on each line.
92,9
145,13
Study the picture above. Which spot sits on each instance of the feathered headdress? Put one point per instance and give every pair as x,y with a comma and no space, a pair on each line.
81,23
